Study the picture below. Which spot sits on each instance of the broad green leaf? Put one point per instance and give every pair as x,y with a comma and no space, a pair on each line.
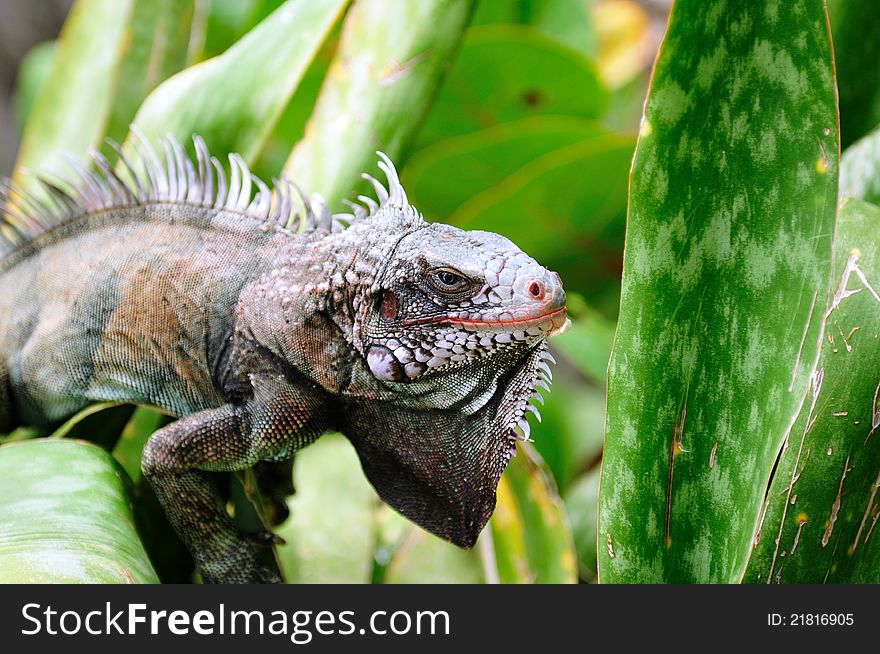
725,283
567,21
66,516
860,169
32,73
531,538
823,505
234,99
292,123
385,73
110,54
547,204
443,176
222,23
331,529
501,75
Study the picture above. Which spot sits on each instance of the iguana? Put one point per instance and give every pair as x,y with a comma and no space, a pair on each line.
262,323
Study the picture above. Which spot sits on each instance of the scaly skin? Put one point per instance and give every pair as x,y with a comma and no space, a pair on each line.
422,343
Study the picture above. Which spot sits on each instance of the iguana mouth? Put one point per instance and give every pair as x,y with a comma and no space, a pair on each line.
557,319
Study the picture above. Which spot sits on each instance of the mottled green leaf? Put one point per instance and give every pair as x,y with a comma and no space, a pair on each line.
443,176
110,54
860,169
66,516
501,75
331,529
823,505
725,283
384,75
234,99
531,538
575,196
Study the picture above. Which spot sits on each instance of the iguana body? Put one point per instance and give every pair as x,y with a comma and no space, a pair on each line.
420,342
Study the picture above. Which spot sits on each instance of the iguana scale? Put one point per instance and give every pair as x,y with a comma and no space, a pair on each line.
260,329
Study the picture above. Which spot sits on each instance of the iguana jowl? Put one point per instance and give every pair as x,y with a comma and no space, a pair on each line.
422,343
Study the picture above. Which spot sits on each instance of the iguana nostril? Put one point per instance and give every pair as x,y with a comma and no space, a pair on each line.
536,289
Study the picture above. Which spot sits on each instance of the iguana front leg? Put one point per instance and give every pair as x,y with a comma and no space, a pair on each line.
277,420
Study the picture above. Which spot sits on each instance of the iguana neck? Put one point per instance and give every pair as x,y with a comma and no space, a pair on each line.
323,284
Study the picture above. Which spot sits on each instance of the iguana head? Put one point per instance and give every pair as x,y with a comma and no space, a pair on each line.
450,297
453,331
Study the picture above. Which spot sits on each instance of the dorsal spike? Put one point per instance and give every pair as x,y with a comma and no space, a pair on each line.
359,213
396,194
88,190
288,215
340,220
370,202
311,221
220,198
381,193
139,191
146,174
180,161
155,170
121,194
325,216
234,184
260,205
244,196
206,171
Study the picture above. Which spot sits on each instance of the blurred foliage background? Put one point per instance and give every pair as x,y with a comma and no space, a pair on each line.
529,127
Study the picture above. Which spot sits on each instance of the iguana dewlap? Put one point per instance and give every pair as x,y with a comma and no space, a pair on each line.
422,343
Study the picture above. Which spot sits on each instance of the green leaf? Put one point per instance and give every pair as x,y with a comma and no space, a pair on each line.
725,283
823,505
66,517
581,505
422,558
234,99
331,529
570,435
546,204
587,344
501,75
444,175
859,169
110,54
856,30
223,23
567,21
531,538
32,74
384,75
135,434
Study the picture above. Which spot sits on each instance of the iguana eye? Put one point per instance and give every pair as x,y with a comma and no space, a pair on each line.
446,279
